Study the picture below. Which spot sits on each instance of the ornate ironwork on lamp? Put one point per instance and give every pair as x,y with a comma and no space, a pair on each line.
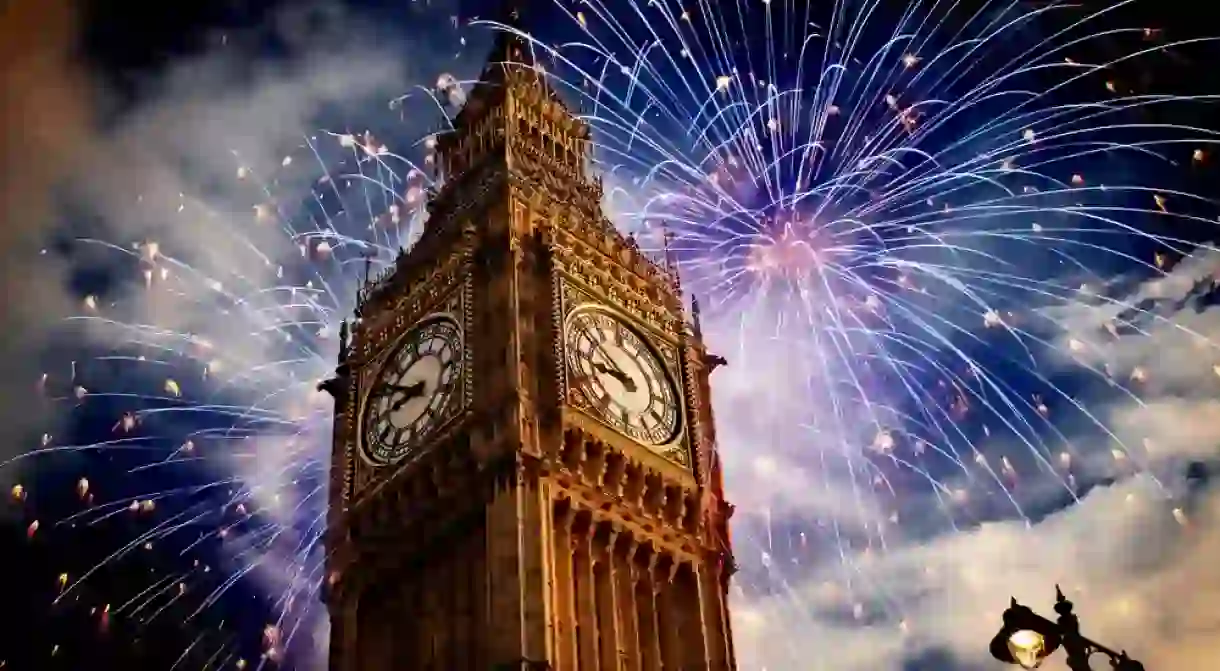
1027,639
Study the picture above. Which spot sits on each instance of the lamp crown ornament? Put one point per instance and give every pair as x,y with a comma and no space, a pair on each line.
1062,606
1027,639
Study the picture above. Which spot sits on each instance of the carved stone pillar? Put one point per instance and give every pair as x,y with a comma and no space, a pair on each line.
481,604
629,633
586,600
518,531
343,636
401,600
374,616
567,650
429,618
448,570
607,603
669,613
711,601
723,576
646,612
693,630
463,620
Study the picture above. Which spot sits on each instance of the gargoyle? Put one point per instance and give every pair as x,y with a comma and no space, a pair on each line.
337,385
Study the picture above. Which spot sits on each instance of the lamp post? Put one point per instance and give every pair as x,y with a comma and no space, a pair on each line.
1027,639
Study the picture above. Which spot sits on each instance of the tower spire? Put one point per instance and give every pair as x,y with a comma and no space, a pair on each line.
510,46
671,261
696,317
511,12
514,48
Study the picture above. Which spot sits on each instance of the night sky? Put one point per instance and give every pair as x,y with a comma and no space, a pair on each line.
107,70
127,56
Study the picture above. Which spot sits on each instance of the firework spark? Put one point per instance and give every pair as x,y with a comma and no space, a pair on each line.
885,213
888,208
215,317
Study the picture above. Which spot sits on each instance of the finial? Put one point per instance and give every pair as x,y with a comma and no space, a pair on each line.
695,315
671,263
511,11
343,341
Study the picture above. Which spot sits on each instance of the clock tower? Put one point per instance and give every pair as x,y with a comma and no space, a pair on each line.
524,472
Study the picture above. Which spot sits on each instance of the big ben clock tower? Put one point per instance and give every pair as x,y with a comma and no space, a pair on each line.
524,472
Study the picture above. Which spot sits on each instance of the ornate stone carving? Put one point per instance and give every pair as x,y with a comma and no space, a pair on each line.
515,241
446,289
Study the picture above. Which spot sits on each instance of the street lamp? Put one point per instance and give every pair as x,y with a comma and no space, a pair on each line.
1027,639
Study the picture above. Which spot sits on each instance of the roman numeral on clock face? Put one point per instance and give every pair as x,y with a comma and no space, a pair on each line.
625,383
412,391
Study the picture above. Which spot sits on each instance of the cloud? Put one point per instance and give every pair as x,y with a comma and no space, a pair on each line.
1136,576
168,173
1135,553
226,193
1172,314
226,181
45,120
1160,343
211,217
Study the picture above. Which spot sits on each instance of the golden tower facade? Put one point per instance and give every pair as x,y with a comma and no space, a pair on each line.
524,472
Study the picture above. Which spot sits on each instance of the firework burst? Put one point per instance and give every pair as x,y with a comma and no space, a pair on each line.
212,385
881,209
887,209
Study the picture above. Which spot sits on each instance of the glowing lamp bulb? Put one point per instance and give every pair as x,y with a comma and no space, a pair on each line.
1028,648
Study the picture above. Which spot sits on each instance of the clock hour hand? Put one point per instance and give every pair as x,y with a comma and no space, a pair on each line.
408,392
623,378
609,367
401,389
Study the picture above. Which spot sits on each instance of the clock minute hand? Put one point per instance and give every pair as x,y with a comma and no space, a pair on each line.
599,348
609,367
409,392
401,389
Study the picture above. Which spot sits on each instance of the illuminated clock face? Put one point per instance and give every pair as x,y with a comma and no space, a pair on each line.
414,391
626,385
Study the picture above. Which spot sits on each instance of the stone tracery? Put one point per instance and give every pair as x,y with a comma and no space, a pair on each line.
526,529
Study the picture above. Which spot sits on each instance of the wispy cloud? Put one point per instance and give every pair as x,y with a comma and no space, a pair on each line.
831,576
198,213
45,120
1134,551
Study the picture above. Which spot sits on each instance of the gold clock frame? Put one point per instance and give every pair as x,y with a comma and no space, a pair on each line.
383,359
677,443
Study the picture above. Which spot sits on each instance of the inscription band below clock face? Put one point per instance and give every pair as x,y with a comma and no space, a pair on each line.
413,392
625,383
